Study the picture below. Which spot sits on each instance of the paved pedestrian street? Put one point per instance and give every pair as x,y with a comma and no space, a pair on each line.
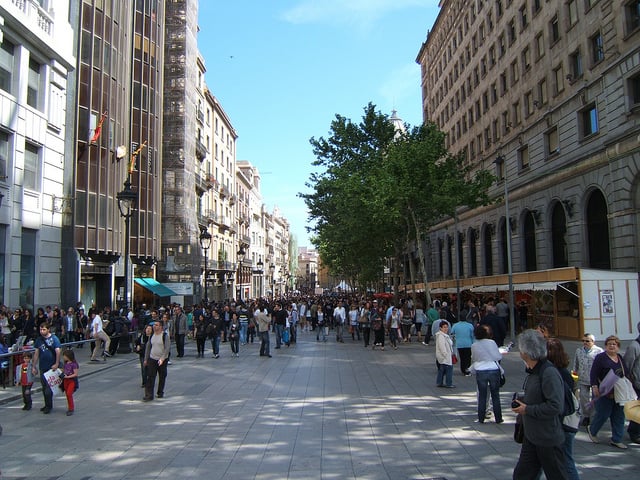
313,411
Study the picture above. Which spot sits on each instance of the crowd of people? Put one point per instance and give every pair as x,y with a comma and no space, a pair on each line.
473,338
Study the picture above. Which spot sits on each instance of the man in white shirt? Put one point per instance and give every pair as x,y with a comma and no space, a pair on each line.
102,339
339,317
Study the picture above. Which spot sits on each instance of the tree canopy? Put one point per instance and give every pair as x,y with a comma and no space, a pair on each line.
380,189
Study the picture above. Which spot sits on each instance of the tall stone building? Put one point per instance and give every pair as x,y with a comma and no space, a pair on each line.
37,59
545,94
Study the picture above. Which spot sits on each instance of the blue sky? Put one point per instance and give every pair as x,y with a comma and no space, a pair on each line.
282,70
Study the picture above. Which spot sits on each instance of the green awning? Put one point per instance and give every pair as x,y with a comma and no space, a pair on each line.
155,287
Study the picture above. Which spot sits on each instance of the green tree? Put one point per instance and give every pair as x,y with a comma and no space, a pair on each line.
429,184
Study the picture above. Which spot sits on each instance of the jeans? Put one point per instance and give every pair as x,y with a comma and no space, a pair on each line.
154,369
572,472
607,408
488,381
279,330
265,343
180,344
243,332
465,359
339,327
445,371
215,344
47,393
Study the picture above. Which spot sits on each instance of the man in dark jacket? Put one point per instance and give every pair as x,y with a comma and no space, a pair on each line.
498,328
541,409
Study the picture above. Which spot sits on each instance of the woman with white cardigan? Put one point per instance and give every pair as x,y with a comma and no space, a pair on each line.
486,355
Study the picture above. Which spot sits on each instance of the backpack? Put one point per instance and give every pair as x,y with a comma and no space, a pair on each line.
570,401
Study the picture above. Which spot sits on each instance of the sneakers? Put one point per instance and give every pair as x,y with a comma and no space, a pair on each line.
619,445
69,413
106,354
593,438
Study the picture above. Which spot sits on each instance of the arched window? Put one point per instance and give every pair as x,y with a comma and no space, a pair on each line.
460,256
449,256
598,231
504,238
473,259
487,245
529,231
559,237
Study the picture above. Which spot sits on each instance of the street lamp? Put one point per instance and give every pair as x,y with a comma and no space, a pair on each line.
205,243
241,253
501,163
260,271
272,269
127,199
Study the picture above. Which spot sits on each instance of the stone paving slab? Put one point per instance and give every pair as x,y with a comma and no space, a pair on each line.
313,411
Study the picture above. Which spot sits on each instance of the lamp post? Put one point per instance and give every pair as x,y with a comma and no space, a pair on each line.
241,253
501,161
260,271
272,269
205,243
127,199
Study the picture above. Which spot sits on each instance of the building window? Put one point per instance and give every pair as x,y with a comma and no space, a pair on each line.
597,48
559,79
4,154
28,267
514,73
572,10
6,65
552,143
517,115
511,32
523,157
575,60
542,91
589,121
505,122
632,14
524,21
537,5
528,103
504,87
526,59
31,178
554,29
633,85
33,87
502,49
539,46
499,9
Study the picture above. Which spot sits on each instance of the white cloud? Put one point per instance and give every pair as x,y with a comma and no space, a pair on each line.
359,13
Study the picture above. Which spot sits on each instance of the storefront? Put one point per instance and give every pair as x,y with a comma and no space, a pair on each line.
568,301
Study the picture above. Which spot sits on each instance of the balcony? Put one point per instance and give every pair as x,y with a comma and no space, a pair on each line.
36,14
201,150
224,192
233,199
201,183
200,116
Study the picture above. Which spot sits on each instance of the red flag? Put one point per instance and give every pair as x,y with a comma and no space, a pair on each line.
132,163
98,130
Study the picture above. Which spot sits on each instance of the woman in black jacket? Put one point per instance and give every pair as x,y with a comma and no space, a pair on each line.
141,345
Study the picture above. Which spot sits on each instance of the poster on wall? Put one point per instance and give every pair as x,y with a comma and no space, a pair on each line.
607,306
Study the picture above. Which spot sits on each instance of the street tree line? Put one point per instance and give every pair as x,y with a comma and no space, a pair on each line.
378,190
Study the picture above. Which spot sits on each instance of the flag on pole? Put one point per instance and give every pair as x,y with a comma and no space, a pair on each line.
96,133
134,154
